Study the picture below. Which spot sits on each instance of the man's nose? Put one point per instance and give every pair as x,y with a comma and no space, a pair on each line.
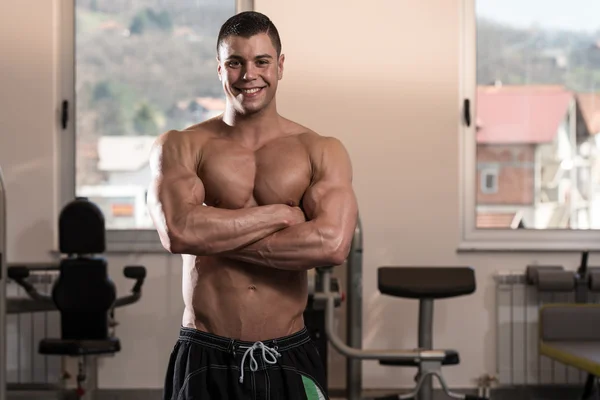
250,72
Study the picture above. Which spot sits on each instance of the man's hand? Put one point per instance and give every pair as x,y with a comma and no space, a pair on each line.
298,216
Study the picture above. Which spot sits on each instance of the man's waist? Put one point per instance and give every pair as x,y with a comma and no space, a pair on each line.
238,346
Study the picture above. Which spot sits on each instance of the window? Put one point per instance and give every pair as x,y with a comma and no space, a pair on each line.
489,181
139,68
530,97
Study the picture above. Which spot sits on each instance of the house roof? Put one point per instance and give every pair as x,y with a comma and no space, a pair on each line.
496,221
589,104
211,103
208,103
520,114
110,25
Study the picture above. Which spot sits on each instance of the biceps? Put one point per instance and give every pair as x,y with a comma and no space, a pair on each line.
171,195
333,205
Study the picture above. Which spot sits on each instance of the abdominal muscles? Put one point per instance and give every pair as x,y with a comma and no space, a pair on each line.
242,301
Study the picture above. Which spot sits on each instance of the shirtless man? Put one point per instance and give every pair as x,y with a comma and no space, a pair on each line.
252,201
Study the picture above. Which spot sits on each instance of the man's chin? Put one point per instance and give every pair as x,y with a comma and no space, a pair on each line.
246,107
250,109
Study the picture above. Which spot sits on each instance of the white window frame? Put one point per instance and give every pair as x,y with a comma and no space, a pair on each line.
471,238
117,241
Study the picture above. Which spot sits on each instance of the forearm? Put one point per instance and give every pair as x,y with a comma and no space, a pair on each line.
203,230
300,247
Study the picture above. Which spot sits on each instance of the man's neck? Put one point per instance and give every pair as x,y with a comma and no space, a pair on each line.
253,129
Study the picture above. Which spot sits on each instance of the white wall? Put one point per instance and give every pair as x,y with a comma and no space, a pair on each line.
383,77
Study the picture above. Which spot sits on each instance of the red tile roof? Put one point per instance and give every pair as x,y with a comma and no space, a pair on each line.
520,114
589,104
497,221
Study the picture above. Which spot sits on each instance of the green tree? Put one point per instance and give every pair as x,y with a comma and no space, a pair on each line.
102,90
145,121
148,19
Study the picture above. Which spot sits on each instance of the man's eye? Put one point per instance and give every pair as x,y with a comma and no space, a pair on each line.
233,63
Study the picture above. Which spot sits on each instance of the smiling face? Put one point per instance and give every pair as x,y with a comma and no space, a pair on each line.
249,70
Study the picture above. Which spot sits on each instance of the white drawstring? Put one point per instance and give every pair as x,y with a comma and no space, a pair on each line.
253,364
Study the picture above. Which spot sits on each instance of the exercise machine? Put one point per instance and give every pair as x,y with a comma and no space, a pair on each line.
354,301
3,278
425,284
555,279
570,332
314,316
83,294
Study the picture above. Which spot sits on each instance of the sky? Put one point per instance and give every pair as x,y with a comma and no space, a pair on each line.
576,15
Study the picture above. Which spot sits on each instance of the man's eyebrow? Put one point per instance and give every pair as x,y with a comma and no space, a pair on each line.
236,57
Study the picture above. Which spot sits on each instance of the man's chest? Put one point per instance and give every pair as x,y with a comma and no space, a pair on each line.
236,177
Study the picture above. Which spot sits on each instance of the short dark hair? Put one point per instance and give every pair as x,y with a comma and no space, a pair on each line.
247,24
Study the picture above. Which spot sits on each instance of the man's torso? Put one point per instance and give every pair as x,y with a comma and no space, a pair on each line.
237,299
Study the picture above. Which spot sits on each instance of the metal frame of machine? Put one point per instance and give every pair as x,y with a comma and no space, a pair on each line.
3,277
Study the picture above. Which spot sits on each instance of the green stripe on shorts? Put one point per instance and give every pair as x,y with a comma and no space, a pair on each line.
311,389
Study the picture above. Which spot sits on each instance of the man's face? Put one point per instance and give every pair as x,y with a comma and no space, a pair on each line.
249,71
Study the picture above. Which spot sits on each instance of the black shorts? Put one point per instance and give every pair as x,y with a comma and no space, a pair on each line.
204,366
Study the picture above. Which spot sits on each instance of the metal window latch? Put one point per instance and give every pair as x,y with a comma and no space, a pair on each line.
64,114
467,111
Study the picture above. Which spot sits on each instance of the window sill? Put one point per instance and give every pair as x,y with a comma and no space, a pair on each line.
534,246
135,247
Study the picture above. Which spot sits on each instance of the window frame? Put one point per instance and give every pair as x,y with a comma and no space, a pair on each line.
504,240
117,241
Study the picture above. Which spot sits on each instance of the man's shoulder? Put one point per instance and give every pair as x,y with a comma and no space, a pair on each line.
195,135
317,143
323,149
312,139
207,127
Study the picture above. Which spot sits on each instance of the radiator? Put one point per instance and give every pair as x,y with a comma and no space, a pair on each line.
518,361
25,366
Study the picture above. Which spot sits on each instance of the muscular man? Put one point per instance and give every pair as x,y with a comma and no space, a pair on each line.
252,201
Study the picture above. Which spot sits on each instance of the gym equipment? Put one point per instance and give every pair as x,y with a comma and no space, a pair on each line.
570,334
556,279
83,293
314,316
426,285
2,287
354,275
19,273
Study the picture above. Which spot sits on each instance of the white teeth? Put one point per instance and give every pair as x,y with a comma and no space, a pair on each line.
250,90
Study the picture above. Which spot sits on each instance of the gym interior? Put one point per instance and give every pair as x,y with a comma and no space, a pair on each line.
472,133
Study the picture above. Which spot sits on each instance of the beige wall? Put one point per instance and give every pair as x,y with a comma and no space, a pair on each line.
383,77
27,137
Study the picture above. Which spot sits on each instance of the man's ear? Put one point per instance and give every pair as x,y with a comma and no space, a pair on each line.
218,67
280,66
